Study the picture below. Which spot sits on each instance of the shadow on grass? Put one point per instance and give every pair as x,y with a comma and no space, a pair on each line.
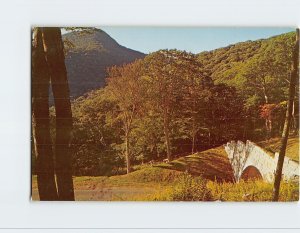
212,164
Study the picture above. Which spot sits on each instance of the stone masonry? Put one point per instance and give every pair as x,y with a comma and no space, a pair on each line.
242,155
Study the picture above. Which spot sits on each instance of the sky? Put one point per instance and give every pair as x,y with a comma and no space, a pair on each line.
191,39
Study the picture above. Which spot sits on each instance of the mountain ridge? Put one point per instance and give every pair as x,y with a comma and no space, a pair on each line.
88,55
221,61
91,53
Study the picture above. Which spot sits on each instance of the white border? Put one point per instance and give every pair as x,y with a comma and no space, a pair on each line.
17,17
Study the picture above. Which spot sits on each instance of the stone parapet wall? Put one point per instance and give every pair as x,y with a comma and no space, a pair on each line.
242,155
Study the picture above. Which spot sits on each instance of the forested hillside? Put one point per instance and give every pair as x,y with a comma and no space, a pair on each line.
224,63
218,61
87,57
172,103
259,70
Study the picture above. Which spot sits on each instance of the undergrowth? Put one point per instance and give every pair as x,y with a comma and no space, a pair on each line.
184,188
255,190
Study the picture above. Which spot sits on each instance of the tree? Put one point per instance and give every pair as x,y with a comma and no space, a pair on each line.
44,166
259,70
273,113
261,81
293,80
165,88
224,117
95,135
48,65
54,52
267,73
148,137
195,102
126,88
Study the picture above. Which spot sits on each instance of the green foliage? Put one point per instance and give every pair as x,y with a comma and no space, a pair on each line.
259,70
168,99
147,138
93,135
219,61
169,73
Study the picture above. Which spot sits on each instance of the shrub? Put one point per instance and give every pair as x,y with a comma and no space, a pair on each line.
255,190
189,188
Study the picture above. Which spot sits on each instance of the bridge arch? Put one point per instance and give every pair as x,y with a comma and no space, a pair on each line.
251,173
249,161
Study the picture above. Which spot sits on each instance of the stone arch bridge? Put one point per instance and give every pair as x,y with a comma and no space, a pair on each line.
249,161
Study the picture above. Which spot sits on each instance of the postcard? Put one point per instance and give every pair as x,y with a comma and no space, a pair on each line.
165,114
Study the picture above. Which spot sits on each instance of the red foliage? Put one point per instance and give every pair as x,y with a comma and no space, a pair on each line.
266,110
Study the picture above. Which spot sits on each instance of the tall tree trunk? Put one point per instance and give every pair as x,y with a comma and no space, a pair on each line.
294,119
293,116
167,135
127,152
285,133
265,95
268,123
53,47
44,166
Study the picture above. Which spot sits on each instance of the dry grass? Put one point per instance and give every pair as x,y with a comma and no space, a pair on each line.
273,145
137,186
212,164
255,190
162,181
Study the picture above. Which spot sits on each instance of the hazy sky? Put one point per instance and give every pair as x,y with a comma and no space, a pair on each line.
192,39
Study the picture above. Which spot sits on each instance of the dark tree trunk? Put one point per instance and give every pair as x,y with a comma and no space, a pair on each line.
53,47
44,166
285,133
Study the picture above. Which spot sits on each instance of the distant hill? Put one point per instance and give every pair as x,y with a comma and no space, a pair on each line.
223,64
89,56
219,60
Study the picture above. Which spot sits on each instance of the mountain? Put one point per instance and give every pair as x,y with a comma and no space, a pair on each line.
88,55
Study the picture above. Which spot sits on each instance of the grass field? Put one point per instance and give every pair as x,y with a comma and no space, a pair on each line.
138,185
209,172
